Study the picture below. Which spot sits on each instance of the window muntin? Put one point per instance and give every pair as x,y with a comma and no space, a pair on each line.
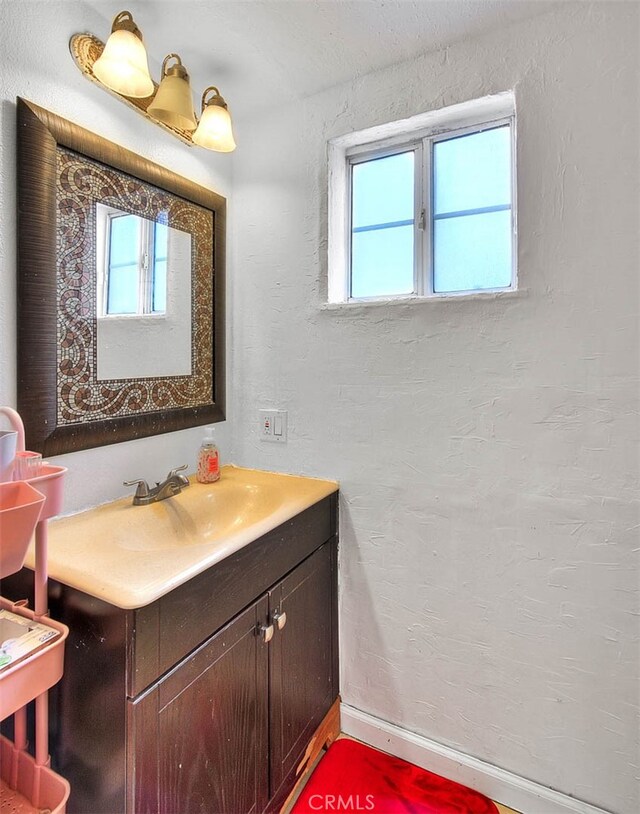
462,230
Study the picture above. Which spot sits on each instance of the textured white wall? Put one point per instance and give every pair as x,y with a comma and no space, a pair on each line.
486,449
35,63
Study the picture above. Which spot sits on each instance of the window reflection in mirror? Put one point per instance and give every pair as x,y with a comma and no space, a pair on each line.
132,263
143,296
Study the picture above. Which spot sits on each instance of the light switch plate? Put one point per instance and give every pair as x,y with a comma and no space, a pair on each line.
273,426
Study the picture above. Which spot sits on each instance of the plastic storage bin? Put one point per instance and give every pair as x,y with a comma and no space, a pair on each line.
26,679
20,509
33,789
50,483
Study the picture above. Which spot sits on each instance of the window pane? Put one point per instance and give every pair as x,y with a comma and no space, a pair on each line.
124,251
382,190
382,226
160,286
124,240
471,172
159,281
123,290
382,262
472,252
161,236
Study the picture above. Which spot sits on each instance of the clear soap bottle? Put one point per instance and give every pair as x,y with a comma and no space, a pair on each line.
208,459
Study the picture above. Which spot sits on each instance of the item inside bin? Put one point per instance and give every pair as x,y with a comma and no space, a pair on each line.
9,630
20,637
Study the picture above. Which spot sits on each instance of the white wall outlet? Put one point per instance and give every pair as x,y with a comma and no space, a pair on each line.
273,426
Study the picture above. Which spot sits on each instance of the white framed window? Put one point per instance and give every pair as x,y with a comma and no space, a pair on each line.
131,264
425,207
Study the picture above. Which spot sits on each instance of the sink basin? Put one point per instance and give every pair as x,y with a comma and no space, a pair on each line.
201,515
132,555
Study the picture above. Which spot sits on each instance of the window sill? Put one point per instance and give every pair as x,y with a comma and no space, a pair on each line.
130,317
476,296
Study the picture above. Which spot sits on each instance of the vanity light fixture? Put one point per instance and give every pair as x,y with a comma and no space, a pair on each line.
123,65
214,130
173,102
121,68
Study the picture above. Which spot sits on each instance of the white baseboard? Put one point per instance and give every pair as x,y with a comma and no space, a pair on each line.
498,784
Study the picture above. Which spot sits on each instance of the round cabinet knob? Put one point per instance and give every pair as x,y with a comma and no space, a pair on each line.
266,631
279,619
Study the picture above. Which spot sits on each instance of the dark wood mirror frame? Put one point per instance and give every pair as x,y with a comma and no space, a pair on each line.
40,133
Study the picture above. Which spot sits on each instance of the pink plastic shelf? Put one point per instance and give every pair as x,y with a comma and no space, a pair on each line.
21,507
37,788
25,680
27,784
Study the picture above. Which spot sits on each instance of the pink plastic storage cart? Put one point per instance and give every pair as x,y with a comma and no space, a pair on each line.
27,784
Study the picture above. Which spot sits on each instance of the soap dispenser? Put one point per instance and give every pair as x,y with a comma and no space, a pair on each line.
208,459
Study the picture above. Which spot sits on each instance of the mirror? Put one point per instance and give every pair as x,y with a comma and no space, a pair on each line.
121,291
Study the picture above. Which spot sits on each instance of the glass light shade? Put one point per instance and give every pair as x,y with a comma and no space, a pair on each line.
173,103
123,66
214,131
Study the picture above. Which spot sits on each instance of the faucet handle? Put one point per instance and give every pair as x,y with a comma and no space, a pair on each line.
181,478
143,487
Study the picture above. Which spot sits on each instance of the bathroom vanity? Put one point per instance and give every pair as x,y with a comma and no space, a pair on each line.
205,698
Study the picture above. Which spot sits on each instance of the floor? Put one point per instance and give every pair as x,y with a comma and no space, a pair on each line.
501,808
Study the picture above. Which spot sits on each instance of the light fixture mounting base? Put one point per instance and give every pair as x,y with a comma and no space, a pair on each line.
85,50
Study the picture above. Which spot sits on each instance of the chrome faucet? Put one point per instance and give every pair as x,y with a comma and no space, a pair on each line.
172,485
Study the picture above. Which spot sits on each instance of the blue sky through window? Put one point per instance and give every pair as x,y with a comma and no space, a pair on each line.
124,250
472,234
137,261
382,226
471,229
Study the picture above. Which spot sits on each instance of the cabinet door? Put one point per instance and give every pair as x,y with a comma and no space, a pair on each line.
199,736
302,660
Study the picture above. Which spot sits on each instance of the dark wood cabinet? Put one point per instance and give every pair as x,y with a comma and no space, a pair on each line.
205,701
301,675
199,737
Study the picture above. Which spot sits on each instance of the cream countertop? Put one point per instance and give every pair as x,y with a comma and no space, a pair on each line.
130,555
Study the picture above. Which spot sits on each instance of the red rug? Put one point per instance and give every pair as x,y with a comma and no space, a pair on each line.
352,777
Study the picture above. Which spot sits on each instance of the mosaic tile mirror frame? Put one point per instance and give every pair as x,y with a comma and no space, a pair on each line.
65,176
